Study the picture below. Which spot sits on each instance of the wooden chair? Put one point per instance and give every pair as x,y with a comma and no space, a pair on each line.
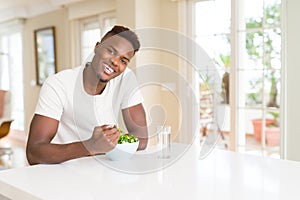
4,130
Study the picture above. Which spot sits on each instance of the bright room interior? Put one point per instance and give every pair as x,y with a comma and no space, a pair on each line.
254,48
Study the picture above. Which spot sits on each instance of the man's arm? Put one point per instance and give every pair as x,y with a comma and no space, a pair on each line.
43,129
136,124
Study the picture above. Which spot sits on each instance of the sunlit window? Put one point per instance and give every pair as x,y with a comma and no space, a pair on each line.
255,34
11,74
92,31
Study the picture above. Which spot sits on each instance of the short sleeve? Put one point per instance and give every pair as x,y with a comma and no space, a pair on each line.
51,99
132,95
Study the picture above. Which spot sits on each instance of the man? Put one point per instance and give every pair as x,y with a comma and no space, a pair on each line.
77,111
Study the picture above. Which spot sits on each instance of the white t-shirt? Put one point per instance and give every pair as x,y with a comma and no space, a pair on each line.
63,98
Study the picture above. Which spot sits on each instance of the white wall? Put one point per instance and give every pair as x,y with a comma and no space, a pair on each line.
59,19
292,145
140,15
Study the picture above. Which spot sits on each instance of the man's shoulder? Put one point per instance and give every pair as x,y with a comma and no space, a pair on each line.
128,70
68,73
128,73
64,76
124,78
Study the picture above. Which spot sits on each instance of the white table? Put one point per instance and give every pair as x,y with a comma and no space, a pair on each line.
222,175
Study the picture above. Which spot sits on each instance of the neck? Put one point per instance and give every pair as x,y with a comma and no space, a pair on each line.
91,83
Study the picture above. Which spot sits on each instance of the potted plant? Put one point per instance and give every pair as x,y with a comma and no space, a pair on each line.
254,50
270,79
257,127
273,131
206,96
223,61
205,82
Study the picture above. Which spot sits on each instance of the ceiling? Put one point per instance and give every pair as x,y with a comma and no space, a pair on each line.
7,4
11,9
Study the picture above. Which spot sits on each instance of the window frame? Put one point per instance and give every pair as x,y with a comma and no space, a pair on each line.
189,6
13,33
79,28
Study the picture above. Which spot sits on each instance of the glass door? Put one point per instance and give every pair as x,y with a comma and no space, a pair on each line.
258,76
243,39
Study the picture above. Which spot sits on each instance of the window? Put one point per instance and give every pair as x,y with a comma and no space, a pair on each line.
253,38
212,32
92,29
90,34
258,68
11,70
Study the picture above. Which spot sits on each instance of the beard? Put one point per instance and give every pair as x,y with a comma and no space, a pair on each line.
101,79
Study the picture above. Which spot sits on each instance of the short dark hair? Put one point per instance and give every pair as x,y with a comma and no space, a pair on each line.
125,33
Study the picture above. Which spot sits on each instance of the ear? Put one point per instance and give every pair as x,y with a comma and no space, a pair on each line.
96,46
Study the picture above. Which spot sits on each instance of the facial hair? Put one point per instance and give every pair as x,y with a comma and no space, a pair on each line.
101,79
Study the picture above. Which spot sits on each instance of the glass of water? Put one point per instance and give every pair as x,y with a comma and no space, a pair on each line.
163,135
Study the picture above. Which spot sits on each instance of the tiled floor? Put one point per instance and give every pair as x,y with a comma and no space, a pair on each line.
253,147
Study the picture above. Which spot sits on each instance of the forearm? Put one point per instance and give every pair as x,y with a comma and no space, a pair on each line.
136,124
55,153
142,134
143,143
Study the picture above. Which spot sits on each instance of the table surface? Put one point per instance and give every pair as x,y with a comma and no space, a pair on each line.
221,175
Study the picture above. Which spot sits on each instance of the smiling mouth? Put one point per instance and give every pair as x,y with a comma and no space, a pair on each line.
108,70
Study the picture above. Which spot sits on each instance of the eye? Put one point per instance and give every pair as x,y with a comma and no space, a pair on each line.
124,61
111,51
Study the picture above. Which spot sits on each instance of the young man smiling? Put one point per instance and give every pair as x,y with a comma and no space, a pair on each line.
77,107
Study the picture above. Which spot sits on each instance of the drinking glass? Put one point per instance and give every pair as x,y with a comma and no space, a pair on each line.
163,135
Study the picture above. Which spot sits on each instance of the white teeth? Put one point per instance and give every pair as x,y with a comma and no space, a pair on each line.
108,70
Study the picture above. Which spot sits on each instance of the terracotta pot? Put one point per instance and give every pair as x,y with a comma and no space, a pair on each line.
257,126
273,136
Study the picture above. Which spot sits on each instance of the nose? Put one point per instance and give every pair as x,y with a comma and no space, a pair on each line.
115,60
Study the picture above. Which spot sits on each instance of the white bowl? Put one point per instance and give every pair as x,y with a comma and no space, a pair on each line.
123,151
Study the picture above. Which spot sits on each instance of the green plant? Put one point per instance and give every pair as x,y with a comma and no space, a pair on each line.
255,97
205,81
275,116
223,61
261,44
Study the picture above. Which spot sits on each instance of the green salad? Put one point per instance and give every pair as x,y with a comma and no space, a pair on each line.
126,138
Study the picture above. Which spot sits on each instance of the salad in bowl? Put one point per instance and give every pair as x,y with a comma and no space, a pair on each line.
126,147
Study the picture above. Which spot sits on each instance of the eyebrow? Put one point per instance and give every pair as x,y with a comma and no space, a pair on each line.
124,57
